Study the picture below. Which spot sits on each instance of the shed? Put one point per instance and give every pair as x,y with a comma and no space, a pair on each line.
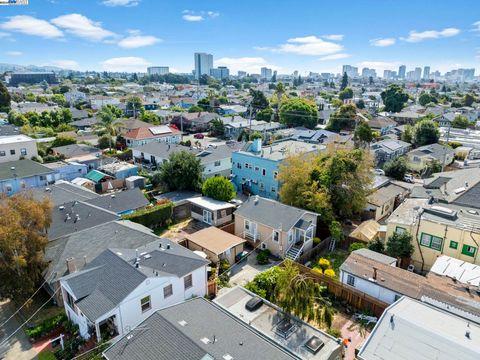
216,243
210,211
366,231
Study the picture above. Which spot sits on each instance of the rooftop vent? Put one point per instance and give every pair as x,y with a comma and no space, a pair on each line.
112,196
314,344
168,246
442,212
254,304
228,357
12,168
205,340
47,189
148,256
285,328
61,208
182,322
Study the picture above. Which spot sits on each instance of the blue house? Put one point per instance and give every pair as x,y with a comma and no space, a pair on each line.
20,175
66,170
255,168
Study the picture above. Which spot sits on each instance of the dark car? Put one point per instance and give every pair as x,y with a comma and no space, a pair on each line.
198,136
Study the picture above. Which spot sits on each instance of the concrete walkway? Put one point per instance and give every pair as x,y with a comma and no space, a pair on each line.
18,347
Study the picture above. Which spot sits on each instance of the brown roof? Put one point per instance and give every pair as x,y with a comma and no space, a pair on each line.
416,286
384,194
145,133
215,240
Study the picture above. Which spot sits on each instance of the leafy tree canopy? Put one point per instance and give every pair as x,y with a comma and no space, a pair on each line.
425,132
299,112
394,98
182,171
400,245
343,118
218,188
396,168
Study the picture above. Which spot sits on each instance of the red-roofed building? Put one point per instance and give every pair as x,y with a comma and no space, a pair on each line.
160,133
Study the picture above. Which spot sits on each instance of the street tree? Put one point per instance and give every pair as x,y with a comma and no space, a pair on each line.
394,98
344,83
182,171
23,238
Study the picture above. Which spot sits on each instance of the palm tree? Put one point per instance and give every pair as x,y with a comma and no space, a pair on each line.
108,122
280,89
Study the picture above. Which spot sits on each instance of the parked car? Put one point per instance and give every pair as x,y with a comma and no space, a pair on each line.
379,172
199,136
409,178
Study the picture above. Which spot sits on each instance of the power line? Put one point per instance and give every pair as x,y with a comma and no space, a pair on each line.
30,318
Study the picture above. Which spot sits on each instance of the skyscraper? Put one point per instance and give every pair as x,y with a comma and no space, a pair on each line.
401,71
222,72
418,74
350,70
158,70
266,73
203,64
426,72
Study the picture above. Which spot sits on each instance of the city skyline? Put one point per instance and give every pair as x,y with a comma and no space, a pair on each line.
115,35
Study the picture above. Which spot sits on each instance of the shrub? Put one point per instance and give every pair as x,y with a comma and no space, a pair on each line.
317,270
334,332
316,241
157,216
218,188
356,245
253,287
324,263
329,273
262,257
45,327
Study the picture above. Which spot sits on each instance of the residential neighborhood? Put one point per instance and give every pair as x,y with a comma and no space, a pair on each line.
208,181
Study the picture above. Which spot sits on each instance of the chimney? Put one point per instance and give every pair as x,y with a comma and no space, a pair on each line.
85,260
71,267
375,274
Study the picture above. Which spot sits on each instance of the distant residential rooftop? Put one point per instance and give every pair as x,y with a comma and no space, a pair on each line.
14,139
281,150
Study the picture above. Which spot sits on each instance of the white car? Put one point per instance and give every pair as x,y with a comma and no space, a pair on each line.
379,172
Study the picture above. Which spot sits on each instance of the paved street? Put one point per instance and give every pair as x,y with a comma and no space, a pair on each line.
18,347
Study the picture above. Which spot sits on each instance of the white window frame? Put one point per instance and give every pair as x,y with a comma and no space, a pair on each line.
351,280
277,233
147,303
209,216
169,293
188,279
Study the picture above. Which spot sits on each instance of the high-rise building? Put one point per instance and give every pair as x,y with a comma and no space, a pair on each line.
350,70
158,70
366,73
402,71
266,73
426,72
418,74
222,72
241,74
203,64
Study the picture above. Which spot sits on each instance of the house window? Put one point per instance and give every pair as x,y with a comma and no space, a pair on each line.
275,174
188,281
239,166
261,186
273,189
264,172
216,163
247,165
431,241
350,280
264,246
23,151
397,297
2,153
400,230
257,168
453,245
145,303
247,225
207,216
290,236
468,250
167,291
12,152
276,235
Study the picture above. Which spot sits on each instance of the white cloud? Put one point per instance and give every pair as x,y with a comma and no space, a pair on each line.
334,57
121,2
414,36
66,64
308,45
32,26
138,41
193,18
476,26
383,42
82,26
334,37
249,64
14,53
125,64
213,14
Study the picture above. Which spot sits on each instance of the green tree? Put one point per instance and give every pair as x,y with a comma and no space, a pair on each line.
195,109
149,117
344,83
407,134
363,134
336,231
217,127
461,122
5,98
376,245
346,93
134,105
259,101
396,168
23,238
105,142
343,118
426,98
400,245
356,246
468,100
59,99
299,112
218,188
425,132
360,104
63,140
265,114
108,122
394,98
279,90
182,171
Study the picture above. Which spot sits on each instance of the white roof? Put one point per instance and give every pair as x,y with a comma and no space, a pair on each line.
14,139
464,272
410,329
210,204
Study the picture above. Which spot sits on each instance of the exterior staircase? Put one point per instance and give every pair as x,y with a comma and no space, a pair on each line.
294,252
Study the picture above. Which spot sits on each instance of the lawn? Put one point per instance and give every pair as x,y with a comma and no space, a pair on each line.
46,355
336,258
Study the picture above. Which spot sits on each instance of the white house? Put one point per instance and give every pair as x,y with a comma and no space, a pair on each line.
14,147
160,133
122,287
97,101
74,96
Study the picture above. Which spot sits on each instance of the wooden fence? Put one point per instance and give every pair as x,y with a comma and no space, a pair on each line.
230,228
357,299
311,254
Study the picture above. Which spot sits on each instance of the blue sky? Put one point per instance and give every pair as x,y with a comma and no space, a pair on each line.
304,35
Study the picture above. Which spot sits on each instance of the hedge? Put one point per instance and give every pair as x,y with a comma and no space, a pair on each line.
157,216
45,327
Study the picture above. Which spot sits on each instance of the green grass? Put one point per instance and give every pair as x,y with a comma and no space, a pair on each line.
46,355
336,258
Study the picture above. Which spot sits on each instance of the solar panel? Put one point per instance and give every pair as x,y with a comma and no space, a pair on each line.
157,130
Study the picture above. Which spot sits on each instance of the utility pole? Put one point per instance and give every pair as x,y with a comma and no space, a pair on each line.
446,146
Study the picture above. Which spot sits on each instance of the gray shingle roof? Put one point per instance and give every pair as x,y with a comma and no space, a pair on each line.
436,151
65,221
270,213
63,192
121,201
75,150
22,169
204,320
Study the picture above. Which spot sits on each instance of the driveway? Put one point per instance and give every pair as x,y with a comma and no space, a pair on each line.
17,347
